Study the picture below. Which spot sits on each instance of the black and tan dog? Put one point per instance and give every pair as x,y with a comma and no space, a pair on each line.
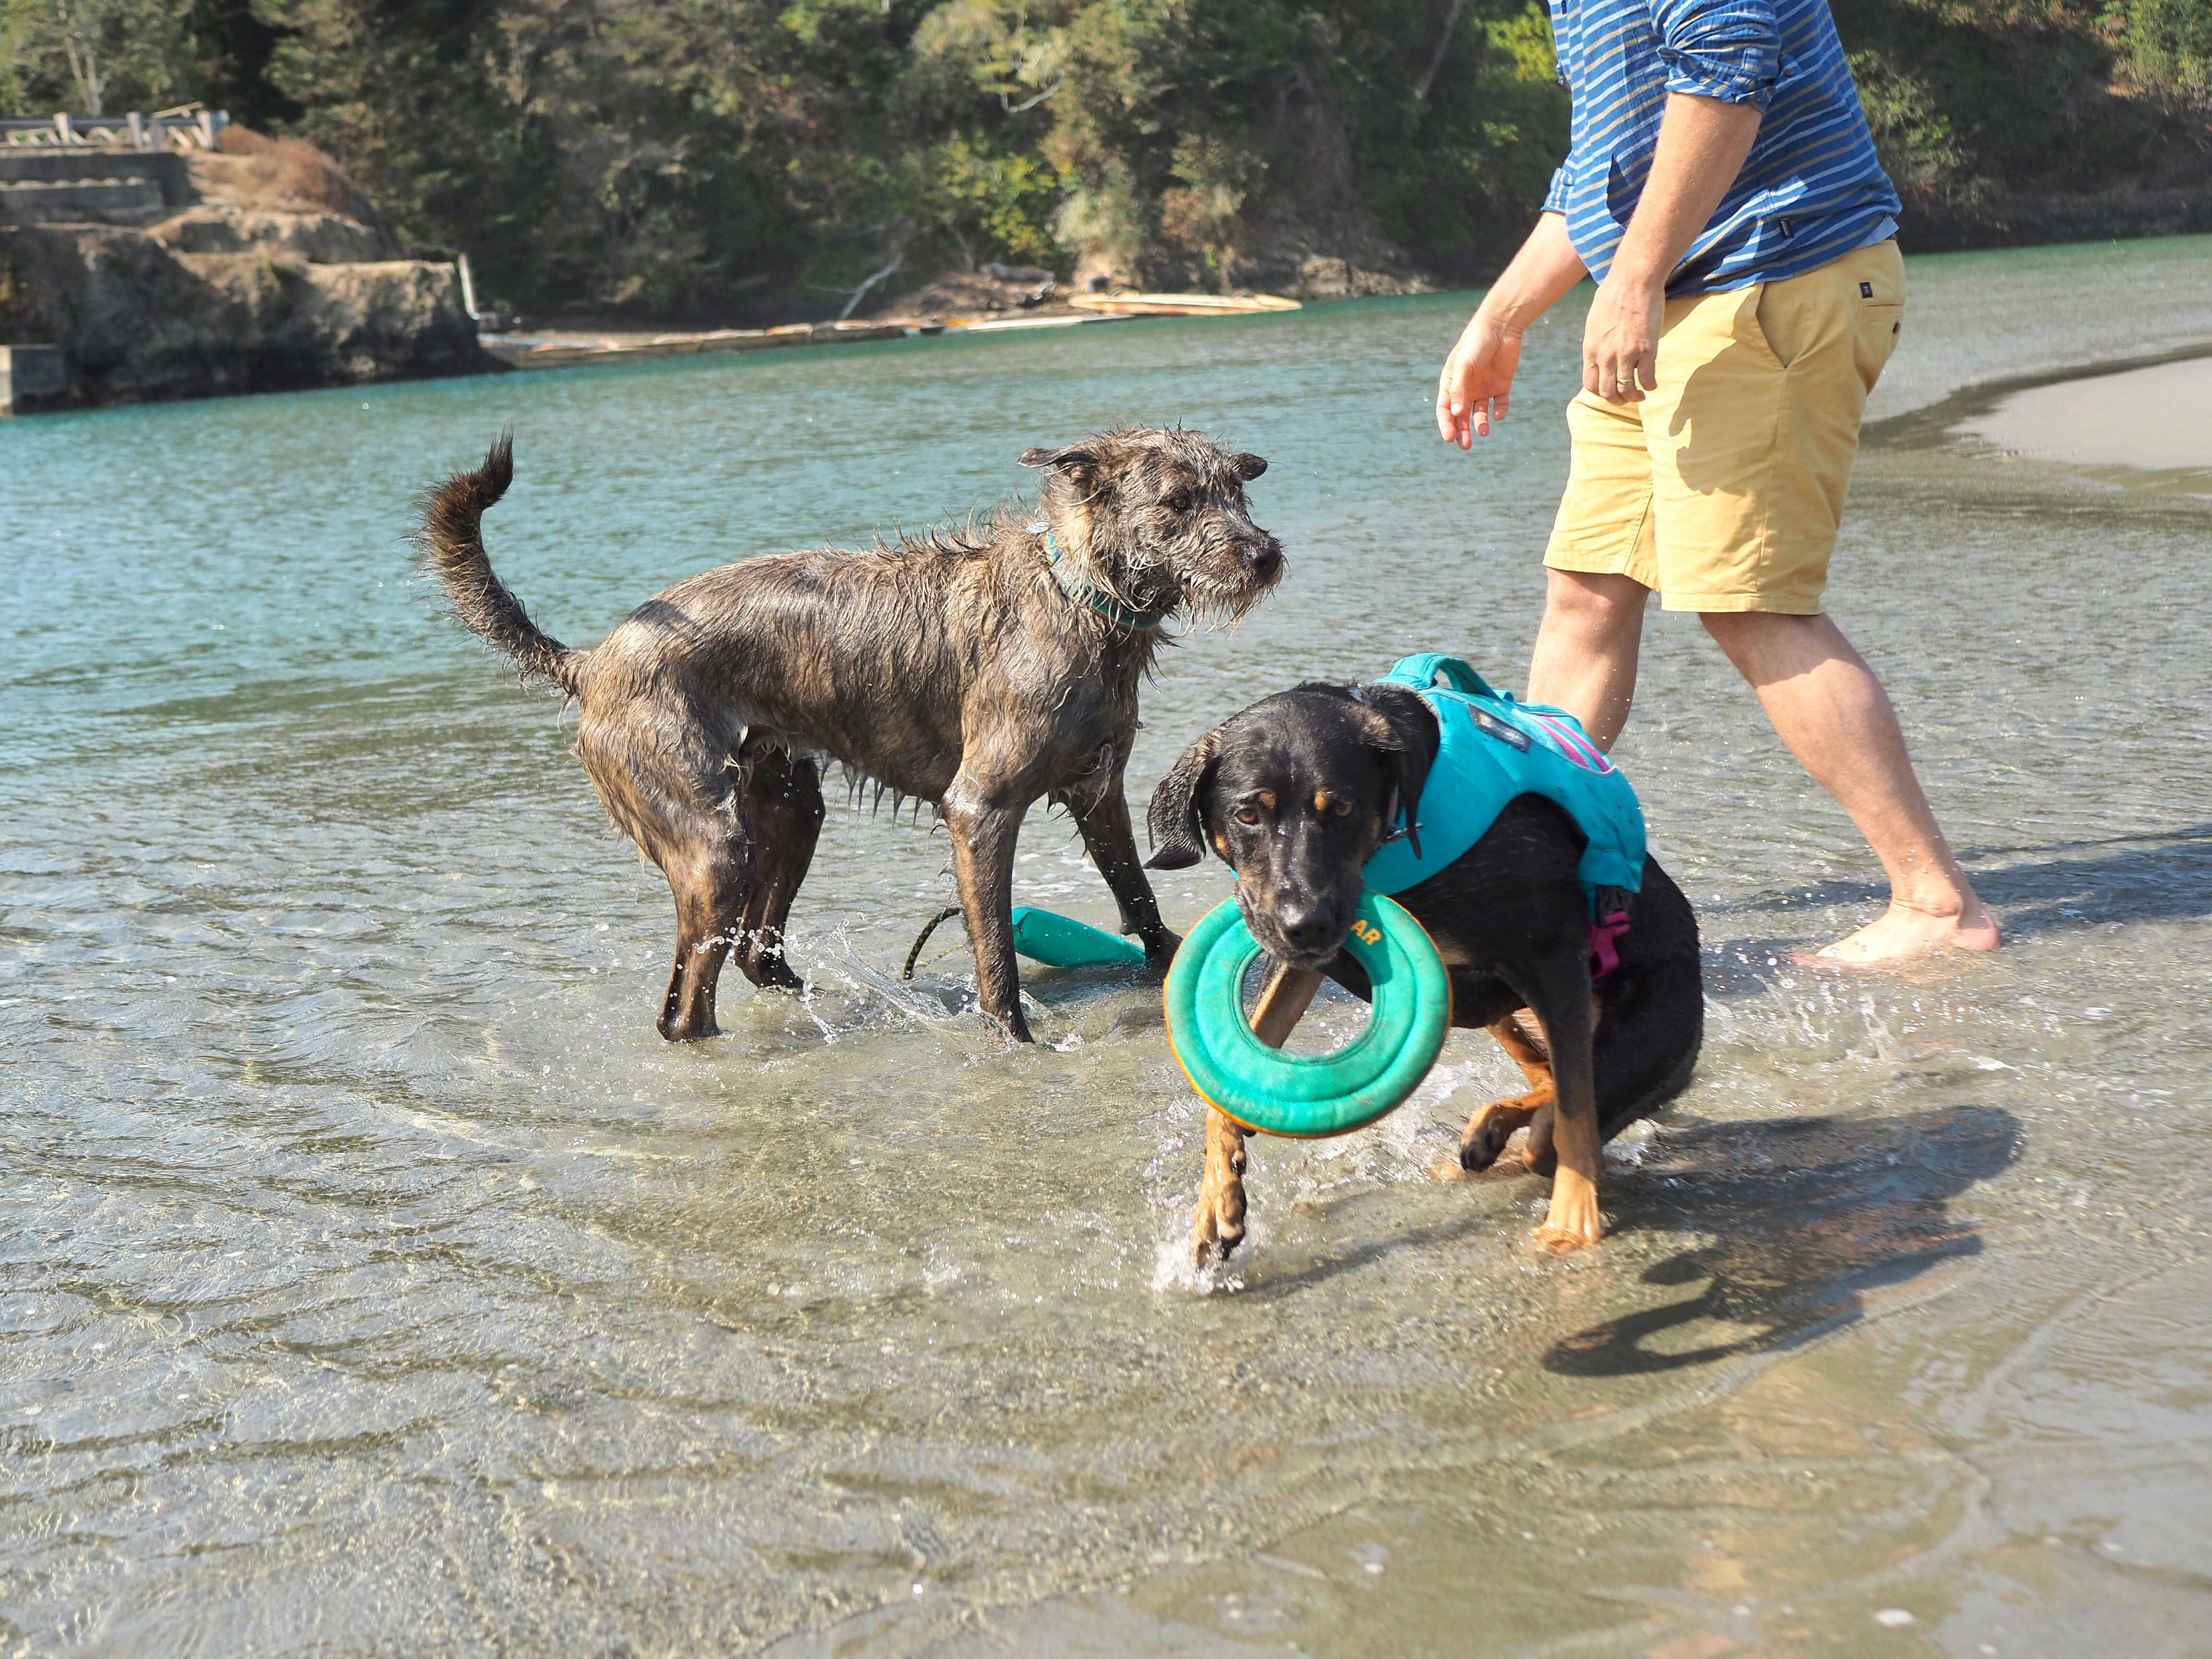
1297,792
981,670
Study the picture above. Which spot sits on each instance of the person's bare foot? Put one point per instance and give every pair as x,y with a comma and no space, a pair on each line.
1904,930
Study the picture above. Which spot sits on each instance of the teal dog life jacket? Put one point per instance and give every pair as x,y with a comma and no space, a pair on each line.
1491,749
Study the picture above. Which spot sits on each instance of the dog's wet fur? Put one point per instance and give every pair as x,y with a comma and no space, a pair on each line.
1295,794
952,668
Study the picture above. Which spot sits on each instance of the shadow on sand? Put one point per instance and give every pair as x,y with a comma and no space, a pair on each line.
1812,1212
2165,876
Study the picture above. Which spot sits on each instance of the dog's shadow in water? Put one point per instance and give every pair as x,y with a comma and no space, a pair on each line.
1812,1212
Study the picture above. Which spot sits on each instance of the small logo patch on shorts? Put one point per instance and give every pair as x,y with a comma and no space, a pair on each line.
1866,290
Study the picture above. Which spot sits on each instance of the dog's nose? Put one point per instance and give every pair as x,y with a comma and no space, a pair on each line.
1267,561
1305,929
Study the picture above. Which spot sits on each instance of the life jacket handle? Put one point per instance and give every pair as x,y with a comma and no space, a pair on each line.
1421,673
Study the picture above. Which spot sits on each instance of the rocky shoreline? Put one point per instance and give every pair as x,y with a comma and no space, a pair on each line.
255,268
259,267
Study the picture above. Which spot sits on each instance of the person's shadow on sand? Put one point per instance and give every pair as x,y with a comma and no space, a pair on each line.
1813,1212
2164,876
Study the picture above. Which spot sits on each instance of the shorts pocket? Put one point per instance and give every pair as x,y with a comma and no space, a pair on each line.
1751,325
1880,328
1798,317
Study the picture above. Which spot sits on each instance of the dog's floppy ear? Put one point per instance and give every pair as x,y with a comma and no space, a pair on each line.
1177,819
1247,467
1400,730
1080,463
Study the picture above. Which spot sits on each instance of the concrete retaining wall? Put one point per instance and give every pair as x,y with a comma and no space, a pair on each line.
170,171
31,373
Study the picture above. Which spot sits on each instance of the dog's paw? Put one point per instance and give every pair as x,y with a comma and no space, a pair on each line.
695,1028
1215,1239
1219,1227
1564,1241
1483,1145
1573,1222
1441,1165
760,958
1488,1131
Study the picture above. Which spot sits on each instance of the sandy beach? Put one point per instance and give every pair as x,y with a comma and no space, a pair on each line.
2158,419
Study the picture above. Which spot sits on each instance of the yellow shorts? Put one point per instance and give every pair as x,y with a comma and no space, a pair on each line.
1724,488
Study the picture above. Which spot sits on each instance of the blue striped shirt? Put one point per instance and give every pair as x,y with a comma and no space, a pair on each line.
1810,191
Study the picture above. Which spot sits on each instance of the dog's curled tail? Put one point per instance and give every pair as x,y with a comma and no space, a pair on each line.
451,540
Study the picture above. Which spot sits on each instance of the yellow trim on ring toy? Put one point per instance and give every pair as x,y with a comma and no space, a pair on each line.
1309,1095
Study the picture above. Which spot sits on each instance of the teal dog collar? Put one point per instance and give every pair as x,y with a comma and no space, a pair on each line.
1082,592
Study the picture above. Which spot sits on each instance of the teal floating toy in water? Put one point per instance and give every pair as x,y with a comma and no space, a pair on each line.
1063,942
1309,1095
1057,941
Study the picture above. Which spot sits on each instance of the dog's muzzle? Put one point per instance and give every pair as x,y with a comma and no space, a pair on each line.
1304,935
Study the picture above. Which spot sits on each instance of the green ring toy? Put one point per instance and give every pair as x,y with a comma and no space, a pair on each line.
1305,1095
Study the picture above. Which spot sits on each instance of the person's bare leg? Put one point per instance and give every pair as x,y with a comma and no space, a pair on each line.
1586,649
1831,711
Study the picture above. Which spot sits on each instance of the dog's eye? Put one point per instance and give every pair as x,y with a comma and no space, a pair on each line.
1180,501
1342,809
1248,815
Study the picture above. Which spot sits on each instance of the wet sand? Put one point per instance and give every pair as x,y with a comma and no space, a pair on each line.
2158,418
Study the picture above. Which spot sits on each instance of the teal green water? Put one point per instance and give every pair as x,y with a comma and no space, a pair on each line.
373,1281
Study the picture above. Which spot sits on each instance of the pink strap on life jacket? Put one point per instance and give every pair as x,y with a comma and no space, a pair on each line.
1604,943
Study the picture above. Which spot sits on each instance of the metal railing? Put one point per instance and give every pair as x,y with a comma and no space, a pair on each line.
187,127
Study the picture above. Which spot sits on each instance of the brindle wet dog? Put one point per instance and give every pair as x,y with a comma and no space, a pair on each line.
981,670
1295,793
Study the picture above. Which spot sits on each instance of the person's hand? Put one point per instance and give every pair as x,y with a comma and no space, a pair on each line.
1476,387
1620,342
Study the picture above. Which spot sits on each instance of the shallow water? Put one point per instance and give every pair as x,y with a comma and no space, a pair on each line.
375,1281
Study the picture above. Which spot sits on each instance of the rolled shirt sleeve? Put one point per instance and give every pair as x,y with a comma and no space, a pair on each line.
1555,198
1729,50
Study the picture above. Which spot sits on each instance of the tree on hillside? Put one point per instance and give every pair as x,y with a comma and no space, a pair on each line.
2164,45
667,153
1968,98
91,57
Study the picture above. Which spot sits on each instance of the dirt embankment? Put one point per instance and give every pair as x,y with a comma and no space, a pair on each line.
257,267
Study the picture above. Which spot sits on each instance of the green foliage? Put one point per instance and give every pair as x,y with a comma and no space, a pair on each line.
1459,173
694,155
95,57
1965,96
1004,199
1916,138
674,154
2164,45
604,150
